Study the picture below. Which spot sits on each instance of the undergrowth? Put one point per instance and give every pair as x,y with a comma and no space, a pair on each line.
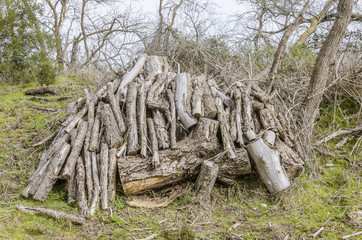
321,197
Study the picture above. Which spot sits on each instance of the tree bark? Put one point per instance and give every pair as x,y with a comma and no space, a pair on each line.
206,180
131,107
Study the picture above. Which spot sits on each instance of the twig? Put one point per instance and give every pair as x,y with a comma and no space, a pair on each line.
149,237
340,132
43,108
352,235
318,232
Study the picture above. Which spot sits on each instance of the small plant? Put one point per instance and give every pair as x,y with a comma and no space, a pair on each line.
184,233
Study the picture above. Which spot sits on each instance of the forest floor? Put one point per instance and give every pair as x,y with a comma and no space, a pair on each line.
323,197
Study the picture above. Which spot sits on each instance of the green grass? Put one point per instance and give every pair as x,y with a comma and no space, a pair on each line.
322,197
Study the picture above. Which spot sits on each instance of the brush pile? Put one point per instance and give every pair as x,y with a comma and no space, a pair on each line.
154,127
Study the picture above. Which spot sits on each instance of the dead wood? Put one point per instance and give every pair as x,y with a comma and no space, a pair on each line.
111,131
206,180
42,91
112,170
43,108
81,196
131,107
104,161
142,122
171,99
96,187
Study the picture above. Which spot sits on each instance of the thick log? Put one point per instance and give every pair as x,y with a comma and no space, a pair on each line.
161,131
104,160
96,188
142,122
181,96
268,166
153,66
111,132
290,160
218,94
171,99
116,108
129,77
94,140
197,108
228,145
76,119
154,143
238,120
131,107
206,180
51,173
76,148
208,100
52,213
31,188
112,170
81,196
269,137
182,163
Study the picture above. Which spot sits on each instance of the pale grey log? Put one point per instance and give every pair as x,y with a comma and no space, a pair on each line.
76,148
269,137
247,111
206,180
86,152
112,170
32,186
130,76
161,131
228,145
154,143
94,140
96,187
111,131
207,98
290,160
122,150
171,99
104,160
142,122
268,166
52,172
197,108
116,108
76,119
81,196
225,99
131,108
153,65
52,213
237,97
181,96
233,129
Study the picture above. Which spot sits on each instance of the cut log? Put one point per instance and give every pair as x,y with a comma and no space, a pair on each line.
104,160
247,111
112,170
268,166
181,96
129,77
52,213
290,160
131,107
161,131
206,180
228,145
76,119
52,172
171,99
76,148
116,108
218,94
142,122
238,120
96,187
94,140
81,196
111,132
31,188
197,108
207,99
154,143
269,137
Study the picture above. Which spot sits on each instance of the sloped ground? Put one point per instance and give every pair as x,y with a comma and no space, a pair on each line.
322,197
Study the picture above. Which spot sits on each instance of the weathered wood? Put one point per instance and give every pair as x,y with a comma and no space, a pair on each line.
76,119
116,108
161,131
197,108
112,170
228,145
111,131
52,172
154,143
247,111
269,137
268,166
232,122
181,97
129,77
81,196
52,213
104,160
31,188
96,188
218,94
171,99
238,120
181,163
290,160
208,100
206,180
142,122
76,148
131,107
94,140
72,188
42,91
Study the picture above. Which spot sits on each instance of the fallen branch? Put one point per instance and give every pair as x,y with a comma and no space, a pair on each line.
340,132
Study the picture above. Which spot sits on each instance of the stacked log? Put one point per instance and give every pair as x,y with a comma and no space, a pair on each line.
154,127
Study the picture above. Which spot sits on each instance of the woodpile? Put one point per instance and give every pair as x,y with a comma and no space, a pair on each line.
154,127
